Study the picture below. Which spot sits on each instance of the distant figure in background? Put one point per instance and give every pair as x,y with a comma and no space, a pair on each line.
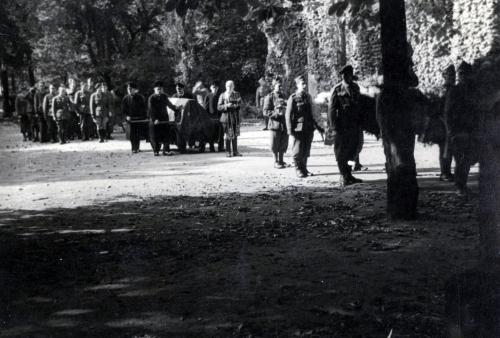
445,153
275,108
48,113
260,94
159,128
32,117
181,93
21,106
215,113
82,105
61,109
300,124
92,88
100,109
229,104
134,110
74,121
40,117
201,93
115,105
461,115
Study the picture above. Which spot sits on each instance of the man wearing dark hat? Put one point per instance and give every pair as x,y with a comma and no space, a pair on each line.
461,118
159,129
181,93
134,110
100,109
300,124
345,121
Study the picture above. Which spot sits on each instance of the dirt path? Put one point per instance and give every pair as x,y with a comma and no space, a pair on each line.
95,242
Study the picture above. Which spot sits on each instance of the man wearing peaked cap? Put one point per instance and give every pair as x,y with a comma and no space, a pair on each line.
181,93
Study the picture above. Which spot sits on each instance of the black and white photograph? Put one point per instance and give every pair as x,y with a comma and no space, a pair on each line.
250,168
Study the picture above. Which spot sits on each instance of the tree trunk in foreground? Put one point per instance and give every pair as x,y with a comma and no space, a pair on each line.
393,113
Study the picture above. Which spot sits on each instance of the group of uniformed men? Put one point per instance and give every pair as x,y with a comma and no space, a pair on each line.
53,116
67,113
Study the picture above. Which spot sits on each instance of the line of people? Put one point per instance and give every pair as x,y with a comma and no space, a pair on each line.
66,113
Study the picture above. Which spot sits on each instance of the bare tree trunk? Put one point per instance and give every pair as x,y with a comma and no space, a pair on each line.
393,113
4,82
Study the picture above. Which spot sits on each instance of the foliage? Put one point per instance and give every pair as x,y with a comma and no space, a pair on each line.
362,13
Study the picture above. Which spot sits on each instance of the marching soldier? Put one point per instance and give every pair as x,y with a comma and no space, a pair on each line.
100,109
300,124
48,114
82,104
274,108
32,117
134,110
344,119
74,120
461,118
61,109
159,128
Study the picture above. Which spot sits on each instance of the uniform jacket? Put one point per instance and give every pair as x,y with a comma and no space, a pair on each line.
61,107
100,104
299,116
343,108
47,105
134,106
39,102
157,107
212,104
275,108
21,105
82,101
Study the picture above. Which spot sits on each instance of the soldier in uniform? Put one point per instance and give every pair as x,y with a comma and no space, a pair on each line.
32,116
21,105
274,108
461,118
100,109
215,113
260,94
300,124
42,122
48,114
61,109
229,104
82,104
159,128
345,121
134,110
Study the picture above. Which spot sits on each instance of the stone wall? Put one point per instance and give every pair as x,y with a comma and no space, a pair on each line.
441,32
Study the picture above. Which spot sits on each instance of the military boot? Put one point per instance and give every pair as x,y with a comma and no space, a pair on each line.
235,147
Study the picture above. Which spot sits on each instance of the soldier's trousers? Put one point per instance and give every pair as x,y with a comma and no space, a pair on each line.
110,125
24,123
62,129
101,123
279,141
301,148
346,148
86,124
52,129
74,125
159,134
